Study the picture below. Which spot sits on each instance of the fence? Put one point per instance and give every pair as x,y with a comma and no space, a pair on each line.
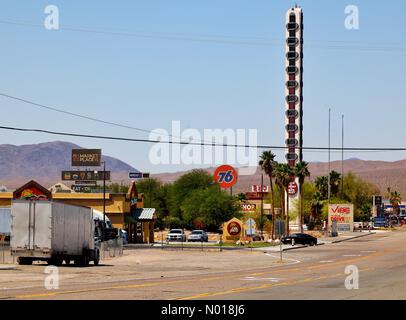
111,249
5,254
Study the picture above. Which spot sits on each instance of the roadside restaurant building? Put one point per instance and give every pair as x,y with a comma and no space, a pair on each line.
125,210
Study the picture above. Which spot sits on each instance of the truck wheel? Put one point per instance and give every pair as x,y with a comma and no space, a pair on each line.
96,257
55,261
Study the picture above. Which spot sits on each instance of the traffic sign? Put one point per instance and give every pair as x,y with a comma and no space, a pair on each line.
293,188
135,175
138,175
226,176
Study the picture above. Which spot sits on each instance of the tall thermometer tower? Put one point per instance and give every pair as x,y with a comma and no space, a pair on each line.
294,95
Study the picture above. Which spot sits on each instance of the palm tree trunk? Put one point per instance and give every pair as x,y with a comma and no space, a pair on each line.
282,204
287,213
301,209
273,209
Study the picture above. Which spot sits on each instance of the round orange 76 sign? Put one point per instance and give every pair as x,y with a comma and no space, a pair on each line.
226,176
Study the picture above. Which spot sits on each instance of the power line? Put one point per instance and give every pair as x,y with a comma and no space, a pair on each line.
81,115
227,39
60,133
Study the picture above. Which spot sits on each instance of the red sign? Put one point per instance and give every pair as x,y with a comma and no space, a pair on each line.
257,188
226,176
342,210
234,228
293,188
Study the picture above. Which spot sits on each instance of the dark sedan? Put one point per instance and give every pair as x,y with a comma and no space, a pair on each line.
300,238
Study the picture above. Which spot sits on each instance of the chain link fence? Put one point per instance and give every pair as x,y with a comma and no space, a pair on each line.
5,254
111,249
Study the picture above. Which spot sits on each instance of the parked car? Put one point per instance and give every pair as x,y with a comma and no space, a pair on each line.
257,237
198,236
300,238
176,235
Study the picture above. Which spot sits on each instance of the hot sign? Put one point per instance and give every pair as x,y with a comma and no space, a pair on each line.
226,176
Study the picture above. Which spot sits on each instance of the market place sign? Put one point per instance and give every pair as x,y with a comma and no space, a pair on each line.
86,157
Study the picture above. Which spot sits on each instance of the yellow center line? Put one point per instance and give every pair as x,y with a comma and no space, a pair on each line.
264,286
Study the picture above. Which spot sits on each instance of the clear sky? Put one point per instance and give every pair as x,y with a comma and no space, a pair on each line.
227,72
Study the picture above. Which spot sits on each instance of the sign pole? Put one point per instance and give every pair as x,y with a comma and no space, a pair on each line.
104,198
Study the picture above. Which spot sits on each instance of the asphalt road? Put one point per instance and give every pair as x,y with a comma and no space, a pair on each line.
307,273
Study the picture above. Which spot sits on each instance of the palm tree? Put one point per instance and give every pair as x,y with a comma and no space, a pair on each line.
268,165
395,199
317,203
285,174
278,173
335,182
322,185
301,171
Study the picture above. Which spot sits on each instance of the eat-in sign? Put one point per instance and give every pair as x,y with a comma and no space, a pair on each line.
226,176
293,188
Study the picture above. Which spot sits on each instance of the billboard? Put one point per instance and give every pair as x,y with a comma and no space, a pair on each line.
86,157
343,214
85,175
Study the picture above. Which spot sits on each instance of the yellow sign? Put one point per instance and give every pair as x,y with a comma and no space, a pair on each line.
233,230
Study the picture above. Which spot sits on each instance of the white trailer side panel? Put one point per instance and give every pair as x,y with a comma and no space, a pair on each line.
73,229
56,228
31,225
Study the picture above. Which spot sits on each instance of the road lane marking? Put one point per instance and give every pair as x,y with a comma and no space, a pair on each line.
266,286
294,261
261,279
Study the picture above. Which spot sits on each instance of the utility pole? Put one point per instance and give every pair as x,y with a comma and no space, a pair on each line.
104,199
329,155
342,155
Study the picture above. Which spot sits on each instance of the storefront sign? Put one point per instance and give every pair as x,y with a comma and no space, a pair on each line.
343,214
226,176
86,157
233,230
248,207
293,188
85,175
257,188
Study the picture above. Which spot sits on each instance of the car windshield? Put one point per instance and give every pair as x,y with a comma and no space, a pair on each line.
176,231
197,232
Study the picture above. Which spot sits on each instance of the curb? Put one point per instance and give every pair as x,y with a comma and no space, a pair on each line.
7,267
355,237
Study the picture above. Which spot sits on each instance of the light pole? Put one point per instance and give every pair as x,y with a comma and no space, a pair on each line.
104,199
329,155
342,155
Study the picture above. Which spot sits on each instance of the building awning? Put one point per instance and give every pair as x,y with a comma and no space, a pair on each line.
143,214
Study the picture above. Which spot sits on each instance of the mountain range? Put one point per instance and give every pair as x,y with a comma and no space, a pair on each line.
44,162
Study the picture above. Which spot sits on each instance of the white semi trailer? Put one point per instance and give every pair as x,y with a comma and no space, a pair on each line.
53,232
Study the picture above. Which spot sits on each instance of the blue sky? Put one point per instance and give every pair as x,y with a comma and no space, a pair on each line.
149,81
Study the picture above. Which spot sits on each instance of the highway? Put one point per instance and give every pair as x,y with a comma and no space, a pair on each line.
306,273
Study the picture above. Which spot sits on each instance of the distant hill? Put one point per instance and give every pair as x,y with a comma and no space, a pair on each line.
382,174
44,162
